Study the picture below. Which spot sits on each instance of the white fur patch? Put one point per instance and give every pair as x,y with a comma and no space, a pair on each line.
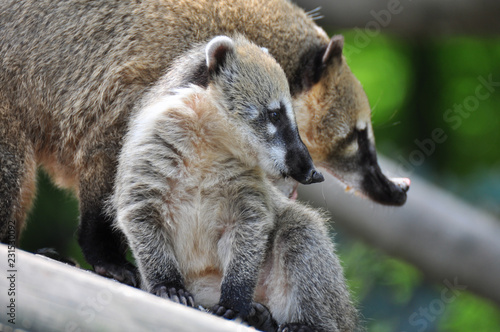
352,148
271,129
361,124
274,105
147,117
321,32
289,112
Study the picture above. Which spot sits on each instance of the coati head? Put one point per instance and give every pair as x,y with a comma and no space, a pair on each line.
335,124
253,87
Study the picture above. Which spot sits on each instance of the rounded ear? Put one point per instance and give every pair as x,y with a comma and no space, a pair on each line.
334,49
216,52
315,63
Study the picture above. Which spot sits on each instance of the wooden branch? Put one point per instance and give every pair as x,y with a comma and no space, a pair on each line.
443,236
51,296
407,17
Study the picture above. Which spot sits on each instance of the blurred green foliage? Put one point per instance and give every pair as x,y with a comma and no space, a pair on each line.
416,86
53,221
410,85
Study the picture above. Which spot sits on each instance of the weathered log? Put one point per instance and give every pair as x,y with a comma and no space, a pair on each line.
51,296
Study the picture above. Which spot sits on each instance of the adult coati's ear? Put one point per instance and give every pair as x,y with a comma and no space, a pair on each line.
217,51
314,64
334,49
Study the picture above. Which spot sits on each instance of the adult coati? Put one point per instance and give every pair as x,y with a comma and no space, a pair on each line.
73,71
194,198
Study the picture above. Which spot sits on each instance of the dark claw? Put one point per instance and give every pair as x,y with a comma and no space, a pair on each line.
161,292
172,294
180,295
126,273
224,312
260,317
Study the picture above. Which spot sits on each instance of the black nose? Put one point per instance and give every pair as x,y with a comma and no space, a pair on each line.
315,177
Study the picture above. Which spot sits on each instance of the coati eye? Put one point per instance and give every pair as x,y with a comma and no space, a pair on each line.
274,115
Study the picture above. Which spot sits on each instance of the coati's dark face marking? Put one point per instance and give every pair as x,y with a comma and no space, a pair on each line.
255,90
339,134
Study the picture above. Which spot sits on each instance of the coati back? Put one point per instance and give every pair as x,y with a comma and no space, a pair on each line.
73,72
194,199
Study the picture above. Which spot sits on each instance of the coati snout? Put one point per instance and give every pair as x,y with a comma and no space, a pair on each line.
265,112
360,168
300,165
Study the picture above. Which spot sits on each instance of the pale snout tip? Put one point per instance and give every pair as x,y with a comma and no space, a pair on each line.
402,183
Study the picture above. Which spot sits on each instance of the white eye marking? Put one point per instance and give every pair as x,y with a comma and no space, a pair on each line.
361,125
273,105
351,149
265,50
271,129
291,115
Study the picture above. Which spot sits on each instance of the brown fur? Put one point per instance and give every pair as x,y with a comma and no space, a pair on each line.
72,72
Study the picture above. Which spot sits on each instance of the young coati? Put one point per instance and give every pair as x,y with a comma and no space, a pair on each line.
72,73
194,200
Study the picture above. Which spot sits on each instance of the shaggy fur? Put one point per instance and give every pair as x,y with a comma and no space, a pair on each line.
201,216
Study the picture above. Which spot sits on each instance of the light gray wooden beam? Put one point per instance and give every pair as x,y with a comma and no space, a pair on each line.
51,296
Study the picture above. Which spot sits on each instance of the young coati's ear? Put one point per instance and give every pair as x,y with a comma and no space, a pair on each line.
217,51
334,49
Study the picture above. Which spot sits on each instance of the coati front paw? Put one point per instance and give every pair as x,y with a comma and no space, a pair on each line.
53,254
295,327
126,273
260,317
178,295
224,312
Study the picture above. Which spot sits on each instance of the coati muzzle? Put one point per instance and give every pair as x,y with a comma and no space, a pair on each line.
363,174
384,190
300,165
374,183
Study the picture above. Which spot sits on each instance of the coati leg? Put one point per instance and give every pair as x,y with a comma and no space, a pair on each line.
155,257
103,246
303,281
143,219
17,178
242,250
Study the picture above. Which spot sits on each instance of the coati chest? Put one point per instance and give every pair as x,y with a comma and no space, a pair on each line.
204,227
